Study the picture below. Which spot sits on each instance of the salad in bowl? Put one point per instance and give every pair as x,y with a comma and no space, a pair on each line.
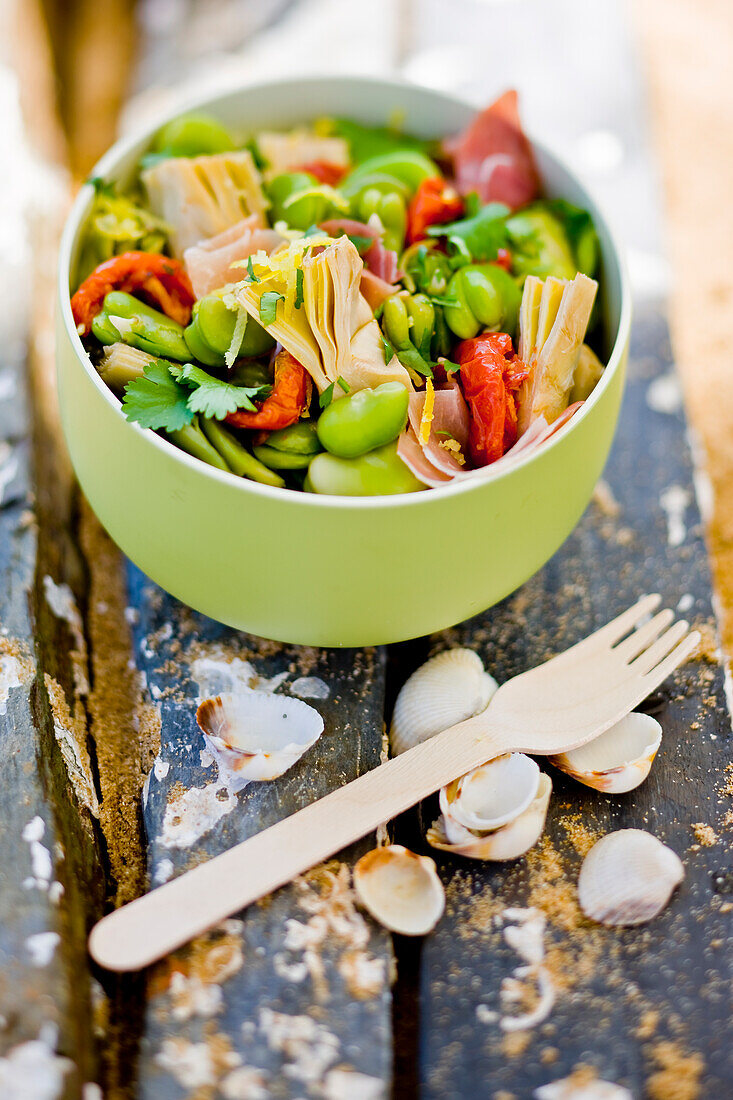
342,309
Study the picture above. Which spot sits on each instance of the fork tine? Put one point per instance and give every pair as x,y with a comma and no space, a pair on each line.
651,657
678,656
624,622
644,635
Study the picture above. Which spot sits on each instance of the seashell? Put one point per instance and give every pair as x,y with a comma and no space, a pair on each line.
447,689
490,796
619,759
257,735
509,842
400,889
628,877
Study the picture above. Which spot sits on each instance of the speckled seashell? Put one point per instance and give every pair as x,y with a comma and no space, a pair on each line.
400,889
447,689
489,796
619,759
509,842
628,877
258,735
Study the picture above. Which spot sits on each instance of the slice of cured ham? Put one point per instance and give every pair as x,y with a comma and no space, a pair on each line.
494,157
209,263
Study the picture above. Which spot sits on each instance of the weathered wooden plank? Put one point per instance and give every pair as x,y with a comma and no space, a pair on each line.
292,996
647,1007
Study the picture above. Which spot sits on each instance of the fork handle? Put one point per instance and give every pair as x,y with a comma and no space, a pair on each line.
156,923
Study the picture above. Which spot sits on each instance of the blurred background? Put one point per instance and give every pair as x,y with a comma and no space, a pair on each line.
638,98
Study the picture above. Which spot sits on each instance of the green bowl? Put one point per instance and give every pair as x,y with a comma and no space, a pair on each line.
320,570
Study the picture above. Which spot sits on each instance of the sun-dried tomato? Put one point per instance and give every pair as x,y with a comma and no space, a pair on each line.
504,259
290,396
435,202
490,376
162,281
323,170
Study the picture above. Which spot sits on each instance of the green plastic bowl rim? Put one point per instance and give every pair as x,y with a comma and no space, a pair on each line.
107,165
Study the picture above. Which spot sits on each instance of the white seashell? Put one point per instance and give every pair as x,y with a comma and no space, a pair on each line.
617,761
400,889
509,842
447,689
628,877
490,796
257,735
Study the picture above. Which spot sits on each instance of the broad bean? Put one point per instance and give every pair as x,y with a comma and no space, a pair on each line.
408,322
389,204
485,297
540,245
211,331
125,318
290,448
192,440
301,200
193,136
407,166
378,473
237,457
369,418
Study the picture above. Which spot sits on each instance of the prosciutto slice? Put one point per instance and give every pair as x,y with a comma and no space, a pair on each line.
209,263
493,156
381,268
451,420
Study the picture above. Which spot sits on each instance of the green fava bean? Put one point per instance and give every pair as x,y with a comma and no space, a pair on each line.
198,347
237,457
290,448
369,418
193,136
540,245
216,323
410,167
301,200
378,473
126,318
485,297
192,440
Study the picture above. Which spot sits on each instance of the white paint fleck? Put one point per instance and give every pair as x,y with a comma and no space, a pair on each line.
347,1084
207,758
675,500
10,677
132,616
163,871
486,1015
215,675
244,1083
161,768
191,997
525,934
188,817
33,1070
41,865
78,766
567,1089
308,1048
55,892
664,394
8,468
685,603
190,1064
41,947
310,687
8,385
60,599
91,1091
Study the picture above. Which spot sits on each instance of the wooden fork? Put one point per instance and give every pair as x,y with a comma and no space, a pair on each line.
550,709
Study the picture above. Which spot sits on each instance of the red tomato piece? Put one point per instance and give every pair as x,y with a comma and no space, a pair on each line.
162,281
435,202
324,171
490,376
290,396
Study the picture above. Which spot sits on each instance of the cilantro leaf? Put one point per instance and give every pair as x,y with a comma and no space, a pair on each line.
298,288
214,398
251,271
156,400
268,307
448,366
326,397
480,236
